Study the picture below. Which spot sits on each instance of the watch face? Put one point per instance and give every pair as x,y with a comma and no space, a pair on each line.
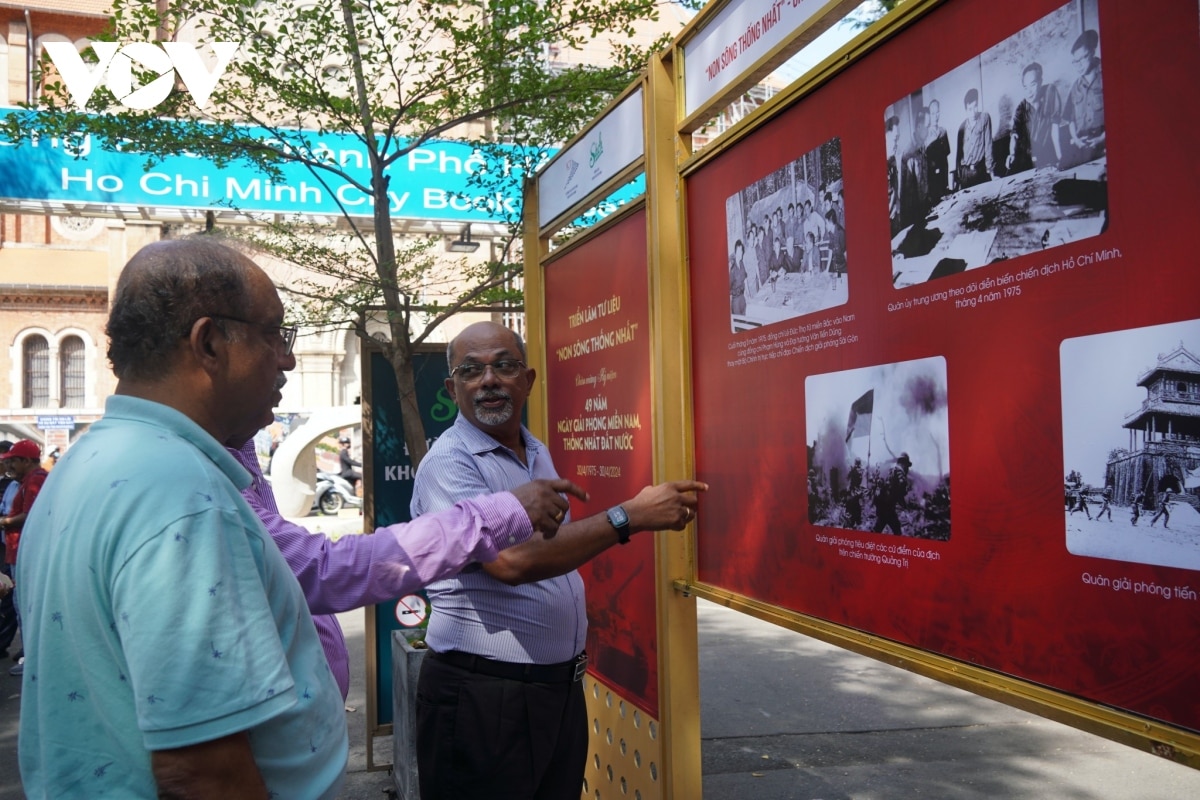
619,520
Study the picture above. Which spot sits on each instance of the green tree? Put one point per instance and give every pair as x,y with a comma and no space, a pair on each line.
872,11
393,74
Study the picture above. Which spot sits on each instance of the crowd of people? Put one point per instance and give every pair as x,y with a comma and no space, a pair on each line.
1045,131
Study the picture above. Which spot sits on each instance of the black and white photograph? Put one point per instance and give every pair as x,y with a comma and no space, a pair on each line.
1002,156
1131,445
786,236
879,452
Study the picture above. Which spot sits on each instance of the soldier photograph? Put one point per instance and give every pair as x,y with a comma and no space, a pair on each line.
879,454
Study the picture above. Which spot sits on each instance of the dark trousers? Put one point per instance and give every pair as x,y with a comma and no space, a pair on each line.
972,174
886,517
485,737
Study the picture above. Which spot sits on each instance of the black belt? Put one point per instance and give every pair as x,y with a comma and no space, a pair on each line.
566,672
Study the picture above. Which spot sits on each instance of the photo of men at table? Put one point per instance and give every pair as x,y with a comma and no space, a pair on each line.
1002,156
787,241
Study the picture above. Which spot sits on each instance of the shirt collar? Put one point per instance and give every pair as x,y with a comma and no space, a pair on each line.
137,409
479,442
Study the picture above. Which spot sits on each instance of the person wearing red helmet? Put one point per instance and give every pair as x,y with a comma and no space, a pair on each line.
24,463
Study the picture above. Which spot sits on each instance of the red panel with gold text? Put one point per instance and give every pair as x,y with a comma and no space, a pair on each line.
598,391
972,248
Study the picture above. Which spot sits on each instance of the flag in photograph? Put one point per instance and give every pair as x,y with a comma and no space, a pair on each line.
860,416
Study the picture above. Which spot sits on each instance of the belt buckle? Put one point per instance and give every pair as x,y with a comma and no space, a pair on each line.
580,667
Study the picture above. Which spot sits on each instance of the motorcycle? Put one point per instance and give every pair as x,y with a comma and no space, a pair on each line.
332,492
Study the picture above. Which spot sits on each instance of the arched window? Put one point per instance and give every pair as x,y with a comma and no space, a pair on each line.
71,372
35,358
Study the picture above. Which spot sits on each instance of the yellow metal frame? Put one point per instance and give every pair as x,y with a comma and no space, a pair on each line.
536,248
829,15
671,361
630,753
668,161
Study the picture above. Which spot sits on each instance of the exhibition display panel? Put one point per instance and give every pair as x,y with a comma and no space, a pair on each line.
968,249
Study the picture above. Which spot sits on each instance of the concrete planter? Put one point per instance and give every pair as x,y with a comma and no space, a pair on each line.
406,666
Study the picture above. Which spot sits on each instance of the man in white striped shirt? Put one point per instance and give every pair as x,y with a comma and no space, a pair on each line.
500,709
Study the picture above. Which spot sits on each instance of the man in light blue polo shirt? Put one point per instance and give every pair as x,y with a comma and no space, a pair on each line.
169,650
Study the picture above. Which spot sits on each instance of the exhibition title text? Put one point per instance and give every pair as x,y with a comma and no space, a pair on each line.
746,40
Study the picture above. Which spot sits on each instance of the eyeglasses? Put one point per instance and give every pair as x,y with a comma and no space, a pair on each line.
286,333
472,371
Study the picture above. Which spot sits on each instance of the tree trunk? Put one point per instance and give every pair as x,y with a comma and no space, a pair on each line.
410,409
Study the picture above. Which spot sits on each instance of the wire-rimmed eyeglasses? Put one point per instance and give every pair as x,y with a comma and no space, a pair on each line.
471,371
286,333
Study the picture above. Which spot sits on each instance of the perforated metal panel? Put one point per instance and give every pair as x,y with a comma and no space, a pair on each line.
624,751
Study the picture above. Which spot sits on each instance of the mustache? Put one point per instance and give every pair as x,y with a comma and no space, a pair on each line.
491,395
280,381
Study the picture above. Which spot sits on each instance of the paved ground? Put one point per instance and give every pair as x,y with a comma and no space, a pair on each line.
785,717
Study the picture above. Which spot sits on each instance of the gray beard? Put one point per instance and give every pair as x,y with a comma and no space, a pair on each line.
494,417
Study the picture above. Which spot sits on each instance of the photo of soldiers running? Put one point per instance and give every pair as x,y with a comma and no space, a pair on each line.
1131,440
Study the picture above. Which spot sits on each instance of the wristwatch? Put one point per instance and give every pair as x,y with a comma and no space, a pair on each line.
619,520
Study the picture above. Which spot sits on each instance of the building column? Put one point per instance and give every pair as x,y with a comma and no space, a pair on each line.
316,375
54,378
18,43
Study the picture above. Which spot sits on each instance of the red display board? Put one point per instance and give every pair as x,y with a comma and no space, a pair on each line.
996,275
598,394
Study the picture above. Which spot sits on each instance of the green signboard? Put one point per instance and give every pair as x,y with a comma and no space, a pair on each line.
392,487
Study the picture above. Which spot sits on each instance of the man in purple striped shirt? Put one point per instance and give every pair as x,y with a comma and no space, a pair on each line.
357,571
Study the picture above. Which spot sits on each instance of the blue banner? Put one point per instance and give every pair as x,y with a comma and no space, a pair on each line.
430,182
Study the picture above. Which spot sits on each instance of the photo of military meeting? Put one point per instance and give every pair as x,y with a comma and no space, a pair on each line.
1003,156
